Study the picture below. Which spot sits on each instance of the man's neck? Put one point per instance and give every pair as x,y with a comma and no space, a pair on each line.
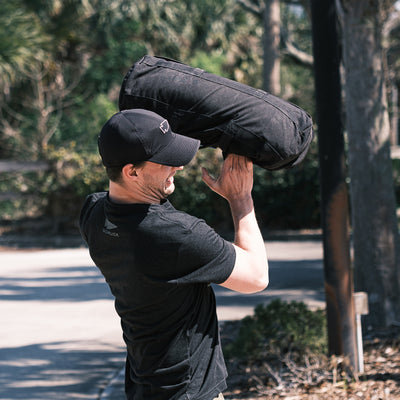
121,195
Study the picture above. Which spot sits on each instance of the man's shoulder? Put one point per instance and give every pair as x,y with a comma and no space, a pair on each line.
95,197
90,202
170,215
179,226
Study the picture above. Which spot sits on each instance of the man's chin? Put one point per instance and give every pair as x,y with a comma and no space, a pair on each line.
169,190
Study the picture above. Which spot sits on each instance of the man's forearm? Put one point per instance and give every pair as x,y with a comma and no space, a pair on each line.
247,232
235,183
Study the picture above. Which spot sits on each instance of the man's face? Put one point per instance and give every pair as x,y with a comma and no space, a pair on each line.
158,180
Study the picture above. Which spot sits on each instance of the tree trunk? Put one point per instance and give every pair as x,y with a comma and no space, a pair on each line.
375,230
334,195
271,41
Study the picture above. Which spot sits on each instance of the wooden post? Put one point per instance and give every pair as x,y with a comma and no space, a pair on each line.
334,195
361,308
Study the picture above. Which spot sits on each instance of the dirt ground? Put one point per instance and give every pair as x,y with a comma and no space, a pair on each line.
316,377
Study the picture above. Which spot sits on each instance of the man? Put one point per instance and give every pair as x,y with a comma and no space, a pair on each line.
159,262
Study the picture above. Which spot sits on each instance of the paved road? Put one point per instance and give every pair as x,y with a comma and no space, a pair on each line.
60,337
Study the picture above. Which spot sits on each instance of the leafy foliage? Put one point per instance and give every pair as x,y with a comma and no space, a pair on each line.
83,122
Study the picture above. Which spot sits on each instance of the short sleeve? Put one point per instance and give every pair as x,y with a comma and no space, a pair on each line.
204,256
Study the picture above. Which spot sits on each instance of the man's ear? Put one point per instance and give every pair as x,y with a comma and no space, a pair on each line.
129,171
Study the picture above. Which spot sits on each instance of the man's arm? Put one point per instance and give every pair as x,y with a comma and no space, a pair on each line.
250,273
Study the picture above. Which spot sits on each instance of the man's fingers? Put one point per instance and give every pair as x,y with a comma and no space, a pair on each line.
236,177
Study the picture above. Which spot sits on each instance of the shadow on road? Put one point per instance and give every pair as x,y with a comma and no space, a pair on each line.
58,370
77,283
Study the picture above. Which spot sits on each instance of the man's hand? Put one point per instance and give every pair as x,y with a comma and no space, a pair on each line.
235,182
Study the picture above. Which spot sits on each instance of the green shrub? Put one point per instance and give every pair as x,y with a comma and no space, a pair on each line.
278,328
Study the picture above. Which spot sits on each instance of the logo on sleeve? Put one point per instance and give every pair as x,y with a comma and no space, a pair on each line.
108,227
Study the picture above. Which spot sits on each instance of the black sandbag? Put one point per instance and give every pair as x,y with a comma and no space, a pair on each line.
220,112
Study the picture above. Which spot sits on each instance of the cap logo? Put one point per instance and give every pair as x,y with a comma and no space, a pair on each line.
164,126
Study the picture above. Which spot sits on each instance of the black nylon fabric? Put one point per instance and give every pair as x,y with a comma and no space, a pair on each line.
220,112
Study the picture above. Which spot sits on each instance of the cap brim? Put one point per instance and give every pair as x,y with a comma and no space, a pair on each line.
180,151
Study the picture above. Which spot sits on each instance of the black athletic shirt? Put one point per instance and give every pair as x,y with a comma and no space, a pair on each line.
159,263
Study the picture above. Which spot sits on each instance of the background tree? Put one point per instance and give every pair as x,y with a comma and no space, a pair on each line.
268,11
338,276
271,46
23,45
374,222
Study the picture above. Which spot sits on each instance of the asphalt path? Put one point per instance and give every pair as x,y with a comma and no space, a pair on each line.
60,337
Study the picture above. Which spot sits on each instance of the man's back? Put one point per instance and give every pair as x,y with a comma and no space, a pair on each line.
159,263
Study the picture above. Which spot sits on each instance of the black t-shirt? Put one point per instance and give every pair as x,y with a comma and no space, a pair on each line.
159,263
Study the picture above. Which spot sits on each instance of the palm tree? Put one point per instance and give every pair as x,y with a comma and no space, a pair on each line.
22,42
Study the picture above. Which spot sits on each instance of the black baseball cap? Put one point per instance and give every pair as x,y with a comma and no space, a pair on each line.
136,135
